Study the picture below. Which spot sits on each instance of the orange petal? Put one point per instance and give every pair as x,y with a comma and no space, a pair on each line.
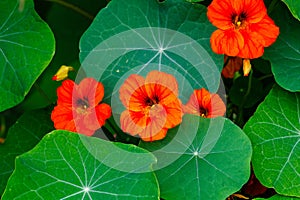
157,78
227,42
103,112
255,9
158,136
218,107
233,64
64,92
132,90
132,123
219,13
253,47
91,90
267,29
62,118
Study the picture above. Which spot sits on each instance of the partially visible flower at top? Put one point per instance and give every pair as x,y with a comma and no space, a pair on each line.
78,107
244,27
205,104
232,65
62,73
152,105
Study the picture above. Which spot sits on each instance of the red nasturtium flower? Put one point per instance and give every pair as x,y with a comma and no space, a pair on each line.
78,107
244,28
152,105
205,104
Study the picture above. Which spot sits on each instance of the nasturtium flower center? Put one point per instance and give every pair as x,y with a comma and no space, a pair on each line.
239,21
82,106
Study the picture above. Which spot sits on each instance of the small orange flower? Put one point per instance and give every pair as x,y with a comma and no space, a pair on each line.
244,27
205,104
78,107
152,105
232,65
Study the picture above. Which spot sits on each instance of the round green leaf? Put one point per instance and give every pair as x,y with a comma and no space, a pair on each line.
274,131
294,7
284,54
26,48
61,167
213,159
133,36
22,137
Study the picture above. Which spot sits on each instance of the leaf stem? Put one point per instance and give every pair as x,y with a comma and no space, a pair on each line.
265,76
73,7
240,115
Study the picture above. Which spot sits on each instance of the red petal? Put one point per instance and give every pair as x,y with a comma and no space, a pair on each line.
227,42
267,29
65,92
90,89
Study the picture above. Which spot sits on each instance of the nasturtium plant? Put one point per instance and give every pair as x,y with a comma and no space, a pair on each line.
274,131
294,8
27,46
22,136
202,99
284,55
62,167
118,41
210,164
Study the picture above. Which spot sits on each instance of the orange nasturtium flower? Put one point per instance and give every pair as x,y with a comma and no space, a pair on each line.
205,104
78,107
152,105
244,28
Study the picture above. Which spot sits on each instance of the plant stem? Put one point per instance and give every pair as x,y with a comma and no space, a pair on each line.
73,7
241,107
265,76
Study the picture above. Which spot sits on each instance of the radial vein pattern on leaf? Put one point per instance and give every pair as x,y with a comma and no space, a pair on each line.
61,160
139,36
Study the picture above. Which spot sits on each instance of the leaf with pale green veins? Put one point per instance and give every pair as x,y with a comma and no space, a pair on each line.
284,54
274,130
202,159
66,165
26,48
134,36
22,136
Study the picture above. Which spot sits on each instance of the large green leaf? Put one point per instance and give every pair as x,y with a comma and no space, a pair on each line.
66,165
202,159
279,197
22,137
134,36
26,48
294,7
274,131
284,54
67,27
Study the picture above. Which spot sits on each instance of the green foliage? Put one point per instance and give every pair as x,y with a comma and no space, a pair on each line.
22,137
274,131
294,7
62,167
119,42
284,54
208,165
27,46
199,159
